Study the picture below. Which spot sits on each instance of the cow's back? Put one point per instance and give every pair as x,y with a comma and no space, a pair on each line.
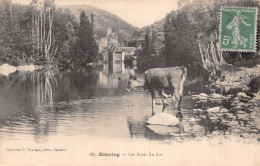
161,78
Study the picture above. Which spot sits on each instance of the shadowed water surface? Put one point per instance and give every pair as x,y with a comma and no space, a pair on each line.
88,102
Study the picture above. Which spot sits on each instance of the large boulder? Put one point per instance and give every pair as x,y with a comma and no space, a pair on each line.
163,119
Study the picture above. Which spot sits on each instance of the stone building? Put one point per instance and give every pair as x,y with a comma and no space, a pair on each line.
119,54
107,42
111,50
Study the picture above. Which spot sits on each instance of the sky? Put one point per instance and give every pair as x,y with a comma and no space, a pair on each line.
139,13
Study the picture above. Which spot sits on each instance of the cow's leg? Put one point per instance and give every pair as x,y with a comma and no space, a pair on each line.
181,95
173,95
162,97
153,96
164,106
177,98
179,115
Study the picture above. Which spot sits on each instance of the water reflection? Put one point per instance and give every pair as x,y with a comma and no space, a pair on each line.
167,132
43,102
91,102
112,75
139,113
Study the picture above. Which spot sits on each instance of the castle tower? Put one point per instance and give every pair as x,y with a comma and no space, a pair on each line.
109,31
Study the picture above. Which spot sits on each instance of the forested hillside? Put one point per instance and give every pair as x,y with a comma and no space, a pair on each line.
181,32
104,20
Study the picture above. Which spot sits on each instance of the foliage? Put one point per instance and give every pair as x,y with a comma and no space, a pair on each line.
41,34
13,38
195,22
147,57
66,37
86,45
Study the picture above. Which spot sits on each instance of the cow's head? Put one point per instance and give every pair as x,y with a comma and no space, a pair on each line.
133,81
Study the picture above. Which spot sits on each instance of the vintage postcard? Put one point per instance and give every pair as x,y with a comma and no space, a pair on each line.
129,82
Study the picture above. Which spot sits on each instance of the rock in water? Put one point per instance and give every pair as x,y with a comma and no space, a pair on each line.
163,119
223,110
7,69
213,110
197,110
26,68
215,96
242,94
217,110
254,85
203,95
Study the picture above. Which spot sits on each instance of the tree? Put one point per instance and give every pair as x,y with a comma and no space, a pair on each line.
13,37
65,37
168,39
179,39
37,33
146,48
87,47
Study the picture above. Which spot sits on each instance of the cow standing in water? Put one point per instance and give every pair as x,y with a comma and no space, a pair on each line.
171,79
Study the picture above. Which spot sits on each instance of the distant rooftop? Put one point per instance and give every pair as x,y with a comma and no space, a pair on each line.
124,49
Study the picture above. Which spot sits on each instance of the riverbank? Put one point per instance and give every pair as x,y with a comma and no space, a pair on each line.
6,69
235,77
234,108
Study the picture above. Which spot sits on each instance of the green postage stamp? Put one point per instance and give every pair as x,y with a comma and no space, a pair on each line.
238,28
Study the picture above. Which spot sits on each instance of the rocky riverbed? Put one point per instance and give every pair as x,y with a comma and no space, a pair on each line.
237,114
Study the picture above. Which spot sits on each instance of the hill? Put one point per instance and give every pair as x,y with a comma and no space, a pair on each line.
104,20
156,34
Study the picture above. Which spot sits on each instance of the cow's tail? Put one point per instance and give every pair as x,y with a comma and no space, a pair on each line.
183,78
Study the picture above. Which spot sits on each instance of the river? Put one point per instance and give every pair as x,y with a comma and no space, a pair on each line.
90,102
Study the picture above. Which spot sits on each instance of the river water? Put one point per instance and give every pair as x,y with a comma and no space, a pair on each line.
89,102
